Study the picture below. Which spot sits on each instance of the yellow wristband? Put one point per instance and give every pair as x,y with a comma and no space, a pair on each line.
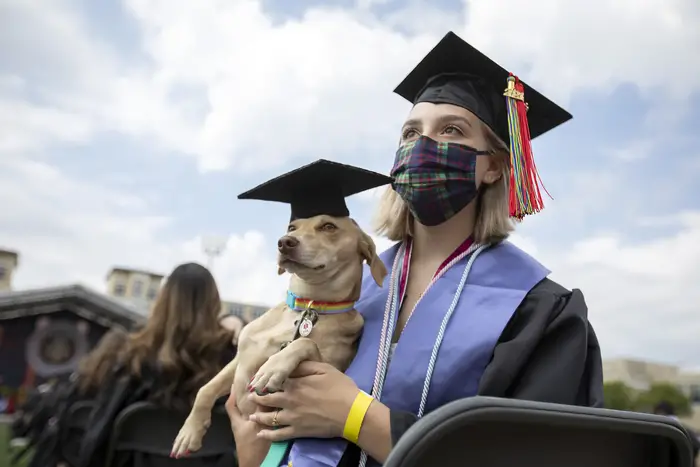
353,423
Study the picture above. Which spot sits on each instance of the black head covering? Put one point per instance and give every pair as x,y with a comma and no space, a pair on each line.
318,188
456,73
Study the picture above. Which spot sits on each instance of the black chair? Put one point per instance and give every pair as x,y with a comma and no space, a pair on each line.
76,425
492,432
146,433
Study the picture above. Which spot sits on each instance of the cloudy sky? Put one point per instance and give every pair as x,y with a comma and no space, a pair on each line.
127,128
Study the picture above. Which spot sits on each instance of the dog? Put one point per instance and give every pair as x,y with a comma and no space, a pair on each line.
324,255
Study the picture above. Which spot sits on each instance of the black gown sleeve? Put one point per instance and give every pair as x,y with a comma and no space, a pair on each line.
548,352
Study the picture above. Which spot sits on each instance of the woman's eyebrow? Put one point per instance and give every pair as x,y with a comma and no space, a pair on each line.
413,122
454,118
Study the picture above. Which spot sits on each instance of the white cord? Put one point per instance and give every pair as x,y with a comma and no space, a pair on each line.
390,313
443,328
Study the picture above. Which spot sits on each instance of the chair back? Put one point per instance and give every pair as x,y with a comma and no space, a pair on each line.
76,425
145,430
493,432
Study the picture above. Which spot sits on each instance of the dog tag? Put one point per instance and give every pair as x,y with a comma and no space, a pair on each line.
305,328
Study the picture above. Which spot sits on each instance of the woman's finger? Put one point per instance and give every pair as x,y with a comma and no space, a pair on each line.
281,434
309,368
276,418
274,400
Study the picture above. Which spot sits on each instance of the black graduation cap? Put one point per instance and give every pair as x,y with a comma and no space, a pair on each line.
318,188
454,72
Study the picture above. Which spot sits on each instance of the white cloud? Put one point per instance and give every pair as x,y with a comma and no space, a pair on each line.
248,77
593,44
27,127
643,296
372,196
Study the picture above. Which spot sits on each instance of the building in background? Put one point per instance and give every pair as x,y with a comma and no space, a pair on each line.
246,312
8,263
44,333
133,284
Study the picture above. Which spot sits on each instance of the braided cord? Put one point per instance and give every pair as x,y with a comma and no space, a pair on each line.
391,310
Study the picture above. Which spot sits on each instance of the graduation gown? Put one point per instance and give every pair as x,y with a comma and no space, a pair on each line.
545,350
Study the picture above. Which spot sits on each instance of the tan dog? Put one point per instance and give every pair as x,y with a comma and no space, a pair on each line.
324,254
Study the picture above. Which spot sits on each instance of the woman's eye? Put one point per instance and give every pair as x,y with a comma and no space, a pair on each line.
409,133
328,227
291,228
453,130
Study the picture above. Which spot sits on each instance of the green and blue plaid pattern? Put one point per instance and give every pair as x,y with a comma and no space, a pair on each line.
436,179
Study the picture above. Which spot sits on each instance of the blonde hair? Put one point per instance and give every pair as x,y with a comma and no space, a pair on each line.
493,224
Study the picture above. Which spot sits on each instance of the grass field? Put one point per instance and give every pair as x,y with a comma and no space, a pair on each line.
5,450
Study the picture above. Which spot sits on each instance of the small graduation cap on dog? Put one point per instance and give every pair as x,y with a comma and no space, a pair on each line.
318,188
456,73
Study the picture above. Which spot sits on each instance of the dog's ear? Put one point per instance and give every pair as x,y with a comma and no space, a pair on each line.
369,252
280,271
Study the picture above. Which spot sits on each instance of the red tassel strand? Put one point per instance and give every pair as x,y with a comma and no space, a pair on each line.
525,197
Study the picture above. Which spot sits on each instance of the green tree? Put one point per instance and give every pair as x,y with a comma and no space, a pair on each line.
664,392
618,396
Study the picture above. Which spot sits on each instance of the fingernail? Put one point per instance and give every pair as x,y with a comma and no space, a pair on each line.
253,418
264,390
187,453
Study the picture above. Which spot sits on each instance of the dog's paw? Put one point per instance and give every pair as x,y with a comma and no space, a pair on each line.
189,439
272,375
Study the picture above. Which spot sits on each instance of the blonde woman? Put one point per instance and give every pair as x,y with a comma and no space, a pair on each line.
464,312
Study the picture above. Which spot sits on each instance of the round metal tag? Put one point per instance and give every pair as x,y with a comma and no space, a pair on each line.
305,328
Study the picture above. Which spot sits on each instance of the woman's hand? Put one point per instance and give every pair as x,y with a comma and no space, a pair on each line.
314,404
245,433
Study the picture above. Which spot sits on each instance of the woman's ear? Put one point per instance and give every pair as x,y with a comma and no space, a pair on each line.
496,168
492,176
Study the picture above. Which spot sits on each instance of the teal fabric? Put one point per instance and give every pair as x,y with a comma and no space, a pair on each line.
276,455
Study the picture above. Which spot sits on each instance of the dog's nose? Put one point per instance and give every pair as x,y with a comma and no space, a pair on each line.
287,243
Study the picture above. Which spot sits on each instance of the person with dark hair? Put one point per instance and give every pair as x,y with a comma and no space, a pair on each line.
665,408
180,348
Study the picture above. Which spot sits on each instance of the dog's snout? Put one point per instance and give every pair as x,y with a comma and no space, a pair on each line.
287,243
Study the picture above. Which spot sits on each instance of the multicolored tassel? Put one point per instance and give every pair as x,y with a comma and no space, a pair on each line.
525,181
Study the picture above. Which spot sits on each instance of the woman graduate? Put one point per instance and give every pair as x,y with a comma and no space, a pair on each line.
464,312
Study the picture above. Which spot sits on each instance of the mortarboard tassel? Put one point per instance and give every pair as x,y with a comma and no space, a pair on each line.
525,181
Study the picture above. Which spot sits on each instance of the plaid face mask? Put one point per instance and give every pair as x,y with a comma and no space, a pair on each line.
436,179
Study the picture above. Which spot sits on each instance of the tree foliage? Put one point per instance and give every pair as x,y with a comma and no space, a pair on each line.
664,392
619,396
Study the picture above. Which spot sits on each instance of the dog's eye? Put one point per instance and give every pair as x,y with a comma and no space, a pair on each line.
328,227
291,228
